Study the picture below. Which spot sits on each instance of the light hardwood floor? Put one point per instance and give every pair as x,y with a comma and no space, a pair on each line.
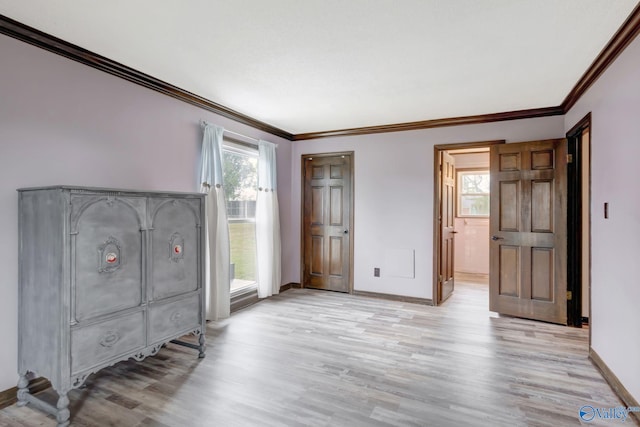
318,358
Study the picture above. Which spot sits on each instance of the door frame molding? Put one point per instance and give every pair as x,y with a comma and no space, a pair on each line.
575,197
436,203
303,157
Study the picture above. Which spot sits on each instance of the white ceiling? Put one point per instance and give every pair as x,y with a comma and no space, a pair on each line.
318,65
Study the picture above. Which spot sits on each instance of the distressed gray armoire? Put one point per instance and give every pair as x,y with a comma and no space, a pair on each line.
105,275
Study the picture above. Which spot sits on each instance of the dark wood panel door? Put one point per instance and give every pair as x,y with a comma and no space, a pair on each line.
327,222
528,230
447,225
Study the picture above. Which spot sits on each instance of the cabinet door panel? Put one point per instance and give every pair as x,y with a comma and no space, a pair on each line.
107,255
175,249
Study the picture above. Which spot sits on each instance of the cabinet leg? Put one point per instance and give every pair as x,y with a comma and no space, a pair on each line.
63,411
23,390
202,347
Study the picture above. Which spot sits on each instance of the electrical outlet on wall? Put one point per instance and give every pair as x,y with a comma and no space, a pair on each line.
376,272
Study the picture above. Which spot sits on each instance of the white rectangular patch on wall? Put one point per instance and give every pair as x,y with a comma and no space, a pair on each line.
399,263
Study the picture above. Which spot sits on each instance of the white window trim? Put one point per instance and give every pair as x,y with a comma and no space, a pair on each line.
459,194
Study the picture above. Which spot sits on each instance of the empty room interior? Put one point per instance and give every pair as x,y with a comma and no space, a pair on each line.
320,213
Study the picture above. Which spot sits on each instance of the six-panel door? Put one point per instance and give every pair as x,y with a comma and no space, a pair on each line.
528,228
327,204
447,225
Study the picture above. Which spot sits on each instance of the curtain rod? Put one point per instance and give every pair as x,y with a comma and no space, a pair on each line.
255,141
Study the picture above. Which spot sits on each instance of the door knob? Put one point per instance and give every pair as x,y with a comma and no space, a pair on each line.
346,231
494,238
454,232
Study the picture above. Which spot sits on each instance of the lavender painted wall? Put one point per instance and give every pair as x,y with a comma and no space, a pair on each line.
614,103
65,123
394,180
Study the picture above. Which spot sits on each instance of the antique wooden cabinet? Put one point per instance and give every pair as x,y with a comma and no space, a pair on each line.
105,275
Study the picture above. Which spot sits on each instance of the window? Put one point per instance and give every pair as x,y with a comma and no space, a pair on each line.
240,175
473,193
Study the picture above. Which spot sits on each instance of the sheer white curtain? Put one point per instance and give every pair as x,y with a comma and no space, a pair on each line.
217,269
267,222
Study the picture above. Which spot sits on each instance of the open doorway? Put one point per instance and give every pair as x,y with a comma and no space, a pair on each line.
461,212
527,226
471,222
470,242
579,223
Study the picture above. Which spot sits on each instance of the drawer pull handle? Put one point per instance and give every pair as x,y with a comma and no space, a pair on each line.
109,339
176,318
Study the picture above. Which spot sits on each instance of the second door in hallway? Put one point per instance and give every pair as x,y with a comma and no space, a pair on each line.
327,221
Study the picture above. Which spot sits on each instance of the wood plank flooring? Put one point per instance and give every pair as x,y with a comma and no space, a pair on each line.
317,358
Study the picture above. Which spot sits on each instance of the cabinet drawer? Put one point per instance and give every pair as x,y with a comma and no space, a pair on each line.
98,343
168,319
